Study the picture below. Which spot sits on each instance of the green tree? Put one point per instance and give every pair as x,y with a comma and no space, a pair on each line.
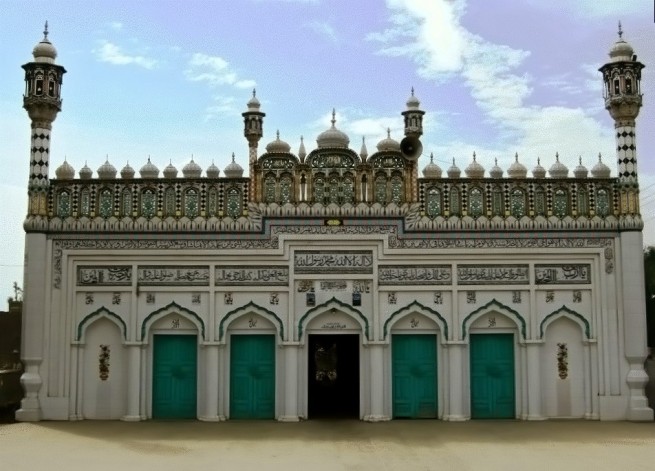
649,276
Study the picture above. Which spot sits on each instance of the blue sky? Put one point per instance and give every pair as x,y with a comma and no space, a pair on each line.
170,79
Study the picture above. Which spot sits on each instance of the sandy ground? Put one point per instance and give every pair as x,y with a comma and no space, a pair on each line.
328,445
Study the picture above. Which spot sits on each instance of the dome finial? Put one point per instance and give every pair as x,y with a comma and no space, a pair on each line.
412,91
45,31
600,158
474,156
232,156
334,119
431,157
516,156
620,30
254,93
388,133
278,134
557,156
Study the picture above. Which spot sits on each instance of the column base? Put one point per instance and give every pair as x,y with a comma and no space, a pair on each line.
644,414
288,418
455,418
28,415
75,417
211,418
376,418
131,418
535,418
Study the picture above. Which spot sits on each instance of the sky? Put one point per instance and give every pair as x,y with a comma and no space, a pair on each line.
170,79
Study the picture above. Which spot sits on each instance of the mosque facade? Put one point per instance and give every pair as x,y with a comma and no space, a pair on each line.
334,282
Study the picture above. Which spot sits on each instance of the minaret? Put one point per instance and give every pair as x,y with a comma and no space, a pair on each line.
253,121
622,75
413,131
42,100
622,93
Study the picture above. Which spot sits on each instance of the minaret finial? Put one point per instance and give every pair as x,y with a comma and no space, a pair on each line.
412,91
516,156
334,119
45,31
388,133
232,156
254,93
473,156
620,31
431,157
278,134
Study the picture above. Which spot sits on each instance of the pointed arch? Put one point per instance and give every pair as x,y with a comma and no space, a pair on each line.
501,308
415,306
334,303
169,309
569,314
100,313
249,308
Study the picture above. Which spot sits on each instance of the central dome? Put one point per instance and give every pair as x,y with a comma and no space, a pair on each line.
332,137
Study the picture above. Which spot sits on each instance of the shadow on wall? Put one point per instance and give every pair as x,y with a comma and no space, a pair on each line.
649,366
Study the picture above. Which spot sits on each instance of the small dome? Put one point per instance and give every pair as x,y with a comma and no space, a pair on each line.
474,170
432,170
363,152
65,171
85,172
388,144
192,170
496,171
332,137
127,172
302,153
170,171
413,103
45,51
212,171
253,104
233,170
149,170
107,171
278,146
580,171
517,169
621,50
454,171
558,169
539,171
600,170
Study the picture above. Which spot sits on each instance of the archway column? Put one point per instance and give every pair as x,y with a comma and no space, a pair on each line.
533,350
376,368
456,371
210,352
290,405
133,382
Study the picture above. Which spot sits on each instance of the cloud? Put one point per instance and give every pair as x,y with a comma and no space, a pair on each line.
112,54
116,25
324,29
221,106
443,49
597,8
215,71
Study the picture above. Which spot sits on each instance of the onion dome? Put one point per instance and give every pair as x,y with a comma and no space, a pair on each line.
170,171
388,144
65,171
580,171
85,172
539,171
621,50
233,170
363,152
127,172
332,137
253,104
45,51
149,170
107,171
278,146
412,102
517,169
212,171
558,169
432,170
496,171
474,170
454,171
302,153
600,170
192,170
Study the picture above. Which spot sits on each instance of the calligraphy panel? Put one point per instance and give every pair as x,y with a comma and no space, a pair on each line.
104,276
414,274
493,274
563,274
252,275
326,261
173,275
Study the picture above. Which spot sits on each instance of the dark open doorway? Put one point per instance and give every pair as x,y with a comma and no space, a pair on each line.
333,376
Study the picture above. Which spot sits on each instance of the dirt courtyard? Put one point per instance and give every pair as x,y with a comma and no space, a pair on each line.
328,445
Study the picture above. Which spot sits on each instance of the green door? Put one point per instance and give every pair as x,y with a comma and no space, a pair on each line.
174,380
414,367
492,376
252,377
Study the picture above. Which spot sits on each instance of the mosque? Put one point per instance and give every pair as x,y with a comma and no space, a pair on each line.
334,282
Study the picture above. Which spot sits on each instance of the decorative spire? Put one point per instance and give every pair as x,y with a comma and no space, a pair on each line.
232,157
254,93
278,134
334,120
516,157
473,156
431,157
45,30
538,160
600,158
388,133
557,156
412,91
620,31
363,152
